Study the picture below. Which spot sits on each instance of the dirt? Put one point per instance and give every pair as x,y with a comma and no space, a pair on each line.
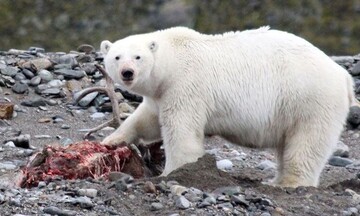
330,198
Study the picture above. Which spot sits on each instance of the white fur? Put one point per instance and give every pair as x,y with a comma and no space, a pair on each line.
257,88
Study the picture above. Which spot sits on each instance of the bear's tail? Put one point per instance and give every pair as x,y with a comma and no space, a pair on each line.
351,94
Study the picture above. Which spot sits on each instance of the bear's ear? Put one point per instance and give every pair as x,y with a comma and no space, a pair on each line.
105,46
153,46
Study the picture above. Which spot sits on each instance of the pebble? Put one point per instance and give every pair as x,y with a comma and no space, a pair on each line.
239,199
2,198
266,165
355,71
224,164
92,193
341,150
97,115
67,59
45,75
70,74
86,48
156,206
9,71
52,210
35,81
354,116
27,73
65,126
182,203
85,101
42,184
149,187
339,161
22,141
178,190
20,88
227,190
226,206
10,144
15,202
55,83
83,201
7,165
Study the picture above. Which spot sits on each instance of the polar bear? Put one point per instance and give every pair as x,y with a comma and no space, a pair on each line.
257,88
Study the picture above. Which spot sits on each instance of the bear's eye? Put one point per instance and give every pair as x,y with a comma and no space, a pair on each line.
137,57
117,57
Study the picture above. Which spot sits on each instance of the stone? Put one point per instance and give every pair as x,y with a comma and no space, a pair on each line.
9,71
266,165
7,165
67,59
97,115
225,206
355,71
6,110
86,48
66,141
20,88
70,74
339,161
84,58
35,81
15,202
83,201
19,77
45,75
342,59
126,108
178,190
182,203
89,68
65,126
240,200
56,83
22,141
85,101
28,73
341,150
34,102
92,193
10,144
51,91
52,210
354,116
224,164
227,190
42,184
149,187
156,206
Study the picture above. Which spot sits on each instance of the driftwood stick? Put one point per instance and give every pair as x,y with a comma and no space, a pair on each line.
109,90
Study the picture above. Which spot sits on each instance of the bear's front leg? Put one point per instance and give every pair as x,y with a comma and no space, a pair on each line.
183,137
142,124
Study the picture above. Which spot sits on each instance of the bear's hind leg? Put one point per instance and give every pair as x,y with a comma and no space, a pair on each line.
305,154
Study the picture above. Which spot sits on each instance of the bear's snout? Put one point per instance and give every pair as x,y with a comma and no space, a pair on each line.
127,74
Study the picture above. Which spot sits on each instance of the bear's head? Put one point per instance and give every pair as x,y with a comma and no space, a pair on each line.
130,62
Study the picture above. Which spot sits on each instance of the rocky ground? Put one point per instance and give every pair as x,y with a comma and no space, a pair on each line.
227,181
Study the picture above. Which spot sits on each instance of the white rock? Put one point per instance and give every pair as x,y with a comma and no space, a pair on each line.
266,165
10,144
97,115
224,164
182,203
178,190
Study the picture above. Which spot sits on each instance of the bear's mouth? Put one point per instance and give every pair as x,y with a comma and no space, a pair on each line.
127,81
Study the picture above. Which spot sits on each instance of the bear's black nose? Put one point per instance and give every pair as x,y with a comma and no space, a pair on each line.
127,74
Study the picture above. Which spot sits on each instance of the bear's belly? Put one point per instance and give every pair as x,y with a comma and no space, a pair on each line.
250,134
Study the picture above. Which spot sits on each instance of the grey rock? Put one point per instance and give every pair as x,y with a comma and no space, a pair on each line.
2,198
97,115
84,58
225,205
355,71
8,80
52,210
88,192
156,206
85,101
339,161
15,202
224,164
19,77
240,200
86,48
65,126
354,116
89,68
83,201
227,190
28,73
265,214
22,141
341,150
45,75
20,88
42,184
7,165
9,71
34,102
42,136
35,81
66,141
204,204
342,59
182,203
70,74
10,144
210,199
266,165
56,83
51,91
67,59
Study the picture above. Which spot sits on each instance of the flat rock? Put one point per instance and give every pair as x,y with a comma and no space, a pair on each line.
45,75
9,71
53,210
182,203
341,150
20,88
70,74
339,161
